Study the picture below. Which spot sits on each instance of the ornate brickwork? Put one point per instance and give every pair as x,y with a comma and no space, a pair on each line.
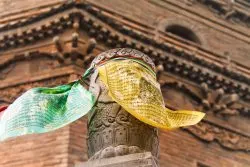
208,100
229,10
38,43
175,60
225,138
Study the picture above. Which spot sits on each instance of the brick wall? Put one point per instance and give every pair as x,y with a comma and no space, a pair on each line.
218,38
67,146
180,149
15,6
47,150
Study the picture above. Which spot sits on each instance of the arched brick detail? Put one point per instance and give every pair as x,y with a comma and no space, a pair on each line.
196,29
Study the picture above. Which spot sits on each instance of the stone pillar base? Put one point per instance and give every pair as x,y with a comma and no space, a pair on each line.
132,160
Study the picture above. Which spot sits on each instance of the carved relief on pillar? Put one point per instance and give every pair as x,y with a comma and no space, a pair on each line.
112,131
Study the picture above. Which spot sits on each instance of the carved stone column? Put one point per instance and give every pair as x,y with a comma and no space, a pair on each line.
112,131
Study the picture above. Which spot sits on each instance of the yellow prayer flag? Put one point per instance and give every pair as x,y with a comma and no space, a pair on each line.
135,88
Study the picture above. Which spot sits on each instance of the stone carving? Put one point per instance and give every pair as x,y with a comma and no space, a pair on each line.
132,160
112,131
227,139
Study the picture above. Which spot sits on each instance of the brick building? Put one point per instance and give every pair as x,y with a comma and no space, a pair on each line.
201,49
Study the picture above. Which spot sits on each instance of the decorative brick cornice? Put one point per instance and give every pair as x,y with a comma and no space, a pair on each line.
215,101
30,36
226,138
229,11
174,60
53,11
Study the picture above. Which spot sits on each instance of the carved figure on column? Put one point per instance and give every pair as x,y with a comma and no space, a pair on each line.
112,131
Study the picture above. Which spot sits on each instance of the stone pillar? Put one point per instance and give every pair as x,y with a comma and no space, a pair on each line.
113,132
132,160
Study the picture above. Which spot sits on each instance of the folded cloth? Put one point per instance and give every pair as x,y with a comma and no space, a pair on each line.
41,110
2,108
131,83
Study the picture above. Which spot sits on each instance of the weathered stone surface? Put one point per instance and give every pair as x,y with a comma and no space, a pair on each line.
112,131
133,160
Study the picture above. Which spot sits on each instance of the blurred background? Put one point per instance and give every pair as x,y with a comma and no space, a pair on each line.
201,49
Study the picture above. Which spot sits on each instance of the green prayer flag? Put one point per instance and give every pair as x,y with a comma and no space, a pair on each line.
41,110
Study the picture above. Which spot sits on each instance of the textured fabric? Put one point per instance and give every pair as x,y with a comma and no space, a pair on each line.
42,110
135,88
131,83
3,108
